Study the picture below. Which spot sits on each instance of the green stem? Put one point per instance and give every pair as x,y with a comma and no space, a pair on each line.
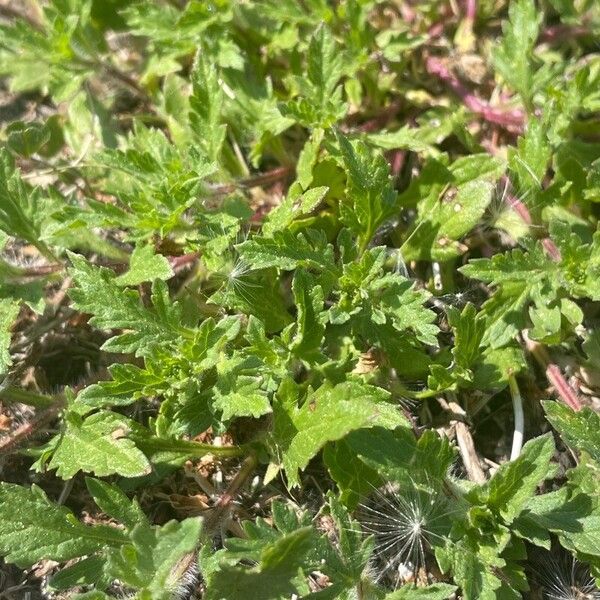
154,445
15,395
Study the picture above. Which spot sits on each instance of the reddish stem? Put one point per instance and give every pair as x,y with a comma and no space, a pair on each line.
396,158
471,10
268,178
560,33
553,373
177,262
512,120
522,210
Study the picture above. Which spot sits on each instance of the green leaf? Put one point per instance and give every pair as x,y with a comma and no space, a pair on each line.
371,198
438,591
239,390
27,139
445,220
294,206
353,550
515,482
471,572
320,103
206,103
579,429
96,291
529,161
310,327
157,559
575,520
354,478
273,577
308,158
88,571
469,328
23,211
9,309
32,528
287,251
115,503
405,138
98,445
398,456
324,67
144,265
327,414
496,365
513,58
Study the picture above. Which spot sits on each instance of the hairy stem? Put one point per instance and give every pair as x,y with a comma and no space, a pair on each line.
212,522
15,395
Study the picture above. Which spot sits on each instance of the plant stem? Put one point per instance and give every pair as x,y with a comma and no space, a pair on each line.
553,373
517,401
152,445
15,395
512,120
212,521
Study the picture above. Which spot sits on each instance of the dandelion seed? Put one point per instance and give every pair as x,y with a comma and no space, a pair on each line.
404,524
565,578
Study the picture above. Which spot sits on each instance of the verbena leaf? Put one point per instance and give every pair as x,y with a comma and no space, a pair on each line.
144,265
286,251
371,196
97,444
32,528
97,292
310,328
23,211
156,560
327,414
272,578
438,591
580,429
115,503
515,482
294,206
206,102
513,58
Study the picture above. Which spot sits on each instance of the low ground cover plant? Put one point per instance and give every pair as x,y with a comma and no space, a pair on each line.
300,299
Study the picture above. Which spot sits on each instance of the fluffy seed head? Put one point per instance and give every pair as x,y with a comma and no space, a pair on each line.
404,523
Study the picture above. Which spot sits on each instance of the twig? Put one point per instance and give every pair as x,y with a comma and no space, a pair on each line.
519,431
466,446
26,430
512,120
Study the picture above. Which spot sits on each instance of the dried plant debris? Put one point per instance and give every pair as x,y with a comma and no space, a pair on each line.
299,300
